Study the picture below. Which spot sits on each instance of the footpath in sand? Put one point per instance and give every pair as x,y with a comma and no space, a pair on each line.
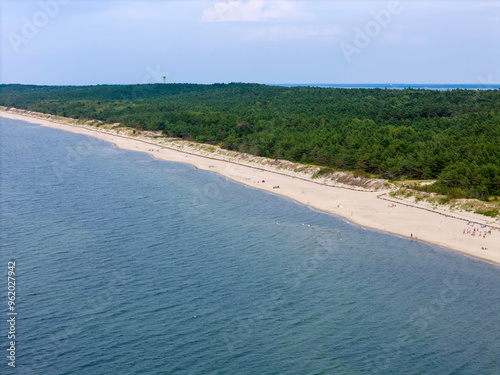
460,231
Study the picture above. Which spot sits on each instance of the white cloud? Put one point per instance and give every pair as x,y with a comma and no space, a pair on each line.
251,11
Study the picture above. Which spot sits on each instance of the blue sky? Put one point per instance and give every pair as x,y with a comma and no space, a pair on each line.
81,42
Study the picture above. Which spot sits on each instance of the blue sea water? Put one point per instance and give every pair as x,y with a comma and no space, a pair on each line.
402,86
130,265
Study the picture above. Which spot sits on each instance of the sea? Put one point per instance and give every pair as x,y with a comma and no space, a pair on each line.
124,264
401,86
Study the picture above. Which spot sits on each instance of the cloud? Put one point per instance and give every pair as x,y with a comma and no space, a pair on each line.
250,11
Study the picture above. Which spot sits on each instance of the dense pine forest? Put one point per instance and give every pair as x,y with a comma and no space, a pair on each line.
452,136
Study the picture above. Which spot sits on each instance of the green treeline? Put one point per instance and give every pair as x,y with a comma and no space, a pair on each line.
452,136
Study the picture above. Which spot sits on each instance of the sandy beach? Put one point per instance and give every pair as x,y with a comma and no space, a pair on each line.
367,208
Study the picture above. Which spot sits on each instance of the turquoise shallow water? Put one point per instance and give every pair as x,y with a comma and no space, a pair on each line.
130,265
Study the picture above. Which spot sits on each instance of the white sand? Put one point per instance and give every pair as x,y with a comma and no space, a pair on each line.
363,208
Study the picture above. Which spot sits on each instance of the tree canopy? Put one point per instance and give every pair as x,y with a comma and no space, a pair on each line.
453,136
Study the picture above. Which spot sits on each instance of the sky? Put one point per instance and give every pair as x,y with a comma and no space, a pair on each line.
88,42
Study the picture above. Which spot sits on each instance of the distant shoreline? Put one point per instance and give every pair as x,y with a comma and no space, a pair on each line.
397,86
358,206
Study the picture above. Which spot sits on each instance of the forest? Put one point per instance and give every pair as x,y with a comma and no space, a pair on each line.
452,136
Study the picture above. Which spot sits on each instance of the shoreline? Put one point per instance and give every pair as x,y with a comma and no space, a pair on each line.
359,206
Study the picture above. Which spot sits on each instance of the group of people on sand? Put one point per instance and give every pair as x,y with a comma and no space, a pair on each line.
152,149
481,231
